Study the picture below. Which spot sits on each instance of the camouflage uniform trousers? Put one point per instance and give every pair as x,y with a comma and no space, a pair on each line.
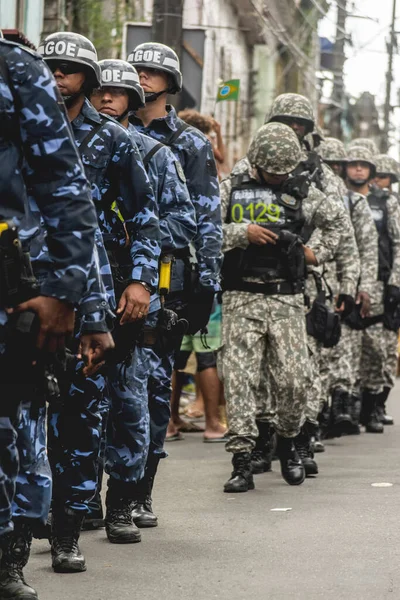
390,368
342,360
263,332
74,435
374,348
25,476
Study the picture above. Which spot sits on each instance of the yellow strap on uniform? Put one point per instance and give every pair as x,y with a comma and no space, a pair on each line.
114,207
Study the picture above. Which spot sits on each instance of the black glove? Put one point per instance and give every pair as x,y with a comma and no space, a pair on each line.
349,304
199,309
392,297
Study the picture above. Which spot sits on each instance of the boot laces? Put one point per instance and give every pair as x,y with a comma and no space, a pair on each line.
67,543
257,455
121,514
302,450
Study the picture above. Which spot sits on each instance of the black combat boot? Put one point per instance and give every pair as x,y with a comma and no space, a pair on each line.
340,409
315,440
355,411
302,444
384,418
15,548
65,529
142,506
325,422
120,527
369,412
261,455
292,468
242,478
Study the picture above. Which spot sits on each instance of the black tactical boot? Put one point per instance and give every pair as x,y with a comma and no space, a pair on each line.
325,422
370,416
15,548
384,418
315,439
94,519
120,527
142,506
355,411
65,529
341,418
292,468
261,455
242,478
302,444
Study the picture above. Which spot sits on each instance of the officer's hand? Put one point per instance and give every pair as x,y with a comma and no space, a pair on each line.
93,350
134,303
345,305
56,321
260,236
365,301
311,259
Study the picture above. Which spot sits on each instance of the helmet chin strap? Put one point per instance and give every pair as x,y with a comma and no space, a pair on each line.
153,96
358,182
125,114
70,100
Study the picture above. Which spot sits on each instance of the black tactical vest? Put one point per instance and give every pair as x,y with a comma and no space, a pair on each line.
251,202
377,202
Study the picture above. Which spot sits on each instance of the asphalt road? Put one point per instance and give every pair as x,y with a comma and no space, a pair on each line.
340,538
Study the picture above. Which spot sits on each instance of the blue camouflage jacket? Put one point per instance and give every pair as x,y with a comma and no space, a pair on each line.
113,167
176,211
35,132
194,152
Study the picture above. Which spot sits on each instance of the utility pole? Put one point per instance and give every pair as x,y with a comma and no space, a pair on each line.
389,78
167,23
338,80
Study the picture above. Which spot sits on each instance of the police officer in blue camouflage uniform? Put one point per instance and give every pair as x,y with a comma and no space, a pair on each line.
131,235
121,94
159,73
55,177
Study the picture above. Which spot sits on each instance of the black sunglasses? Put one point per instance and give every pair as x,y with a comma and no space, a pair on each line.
66,68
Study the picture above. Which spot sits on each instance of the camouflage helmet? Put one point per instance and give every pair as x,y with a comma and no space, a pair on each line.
361,154
295,106
332,150
153,55
121,74
65,46
275,149
386,165
365,143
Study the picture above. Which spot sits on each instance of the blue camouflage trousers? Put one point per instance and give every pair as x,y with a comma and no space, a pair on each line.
74,434
25,476
33,485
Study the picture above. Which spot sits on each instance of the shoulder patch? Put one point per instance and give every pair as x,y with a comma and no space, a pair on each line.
179,171
211,167
289,200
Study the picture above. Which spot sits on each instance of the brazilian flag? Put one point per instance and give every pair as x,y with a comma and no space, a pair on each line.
229,90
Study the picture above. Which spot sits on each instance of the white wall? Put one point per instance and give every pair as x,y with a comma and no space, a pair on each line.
227,56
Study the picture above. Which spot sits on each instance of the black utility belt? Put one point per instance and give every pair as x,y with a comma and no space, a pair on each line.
178,254
282,288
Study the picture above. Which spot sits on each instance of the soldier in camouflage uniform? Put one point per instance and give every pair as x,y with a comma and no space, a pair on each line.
297,112
54,175
387,173
342,361
263,303
114,169
121,94
385,297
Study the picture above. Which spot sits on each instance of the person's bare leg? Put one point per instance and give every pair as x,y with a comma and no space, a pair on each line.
195,410
210,387
178,378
